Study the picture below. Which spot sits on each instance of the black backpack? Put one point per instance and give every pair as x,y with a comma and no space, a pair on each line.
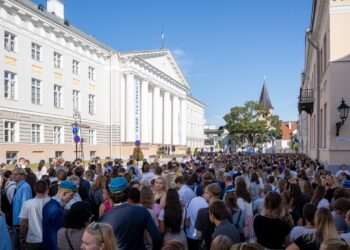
6,206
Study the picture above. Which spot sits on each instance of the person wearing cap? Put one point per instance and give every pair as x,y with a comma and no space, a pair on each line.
53,213
129,221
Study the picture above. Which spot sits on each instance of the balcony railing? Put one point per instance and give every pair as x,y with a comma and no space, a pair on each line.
306,101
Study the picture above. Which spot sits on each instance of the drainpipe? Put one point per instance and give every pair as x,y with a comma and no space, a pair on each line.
314,44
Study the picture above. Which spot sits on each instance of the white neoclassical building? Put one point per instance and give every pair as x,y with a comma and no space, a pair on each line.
50,70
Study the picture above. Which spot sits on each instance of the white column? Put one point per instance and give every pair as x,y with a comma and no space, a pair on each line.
130,108
144,112
160,117
156,116
175,127
122,108
167,118
183,121
150,116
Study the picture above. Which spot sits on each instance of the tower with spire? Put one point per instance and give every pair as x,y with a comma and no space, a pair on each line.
265,100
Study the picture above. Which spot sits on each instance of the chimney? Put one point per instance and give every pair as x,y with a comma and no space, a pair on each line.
56,7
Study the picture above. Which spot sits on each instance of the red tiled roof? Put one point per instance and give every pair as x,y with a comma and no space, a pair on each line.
286,131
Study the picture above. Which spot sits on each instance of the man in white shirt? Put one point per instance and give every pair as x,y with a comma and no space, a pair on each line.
185,193
31,217
148,174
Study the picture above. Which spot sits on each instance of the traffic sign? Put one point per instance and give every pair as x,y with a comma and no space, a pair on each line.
75,131
76,138
137,143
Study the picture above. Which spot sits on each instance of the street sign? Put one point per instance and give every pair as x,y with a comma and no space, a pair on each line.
137,143
76,115
75,131
76,138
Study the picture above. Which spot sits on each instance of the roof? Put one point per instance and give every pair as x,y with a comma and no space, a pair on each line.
287,129
265,98
52,17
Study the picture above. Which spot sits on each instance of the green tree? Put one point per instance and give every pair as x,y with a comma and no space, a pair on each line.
252,125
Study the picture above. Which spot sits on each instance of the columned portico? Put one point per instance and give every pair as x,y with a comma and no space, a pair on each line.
130,108
144,112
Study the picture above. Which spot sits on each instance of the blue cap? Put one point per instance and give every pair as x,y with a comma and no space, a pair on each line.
346,184
118,184
68,185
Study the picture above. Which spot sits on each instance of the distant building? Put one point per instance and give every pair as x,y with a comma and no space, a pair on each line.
289,130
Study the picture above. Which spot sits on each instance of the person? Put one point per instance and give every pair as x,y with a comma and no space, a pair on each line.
193,207
271,231
342,169
255,186
129,221
334,244
8,186
229,186
84,185
173,218
324,230
346,236
53,213
31,217
159,190
107,205
247,246
74,223
221,242
203,226
331,187
318,199
148,174
186,194
23,192
98,236
237,214
76,197
309,211
5,242
96,195
173,245
42,170
340,208
244,202
219,217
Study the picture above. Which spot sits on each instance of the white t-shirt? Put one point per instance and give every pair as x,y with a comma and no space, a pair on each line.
32,210
192,211
298,231
323,203
186,194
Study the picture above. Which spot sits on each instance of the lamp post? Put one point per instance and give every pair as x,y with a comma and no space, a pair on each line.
343,110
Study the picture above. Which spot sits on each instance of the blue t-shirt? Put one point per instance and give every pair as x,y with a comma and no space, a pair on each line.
52,222
5,242
23,192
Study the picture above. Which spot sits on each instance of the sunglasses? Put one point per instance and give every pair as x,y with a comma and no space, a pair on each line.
97,226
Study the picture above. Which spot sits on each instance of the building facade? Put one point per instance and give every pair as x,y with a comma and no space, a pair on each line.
52,70
289,131
195,123
325,82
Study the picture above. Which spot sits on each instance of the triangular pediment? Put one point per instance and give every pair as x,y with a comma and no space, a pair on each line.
164,61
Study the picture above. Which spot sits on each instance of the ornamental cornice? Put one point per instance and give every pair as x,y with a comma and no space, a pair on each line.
56,28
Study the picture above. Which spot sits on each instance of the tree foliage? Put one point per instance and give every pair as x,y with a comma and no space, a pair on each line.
252,125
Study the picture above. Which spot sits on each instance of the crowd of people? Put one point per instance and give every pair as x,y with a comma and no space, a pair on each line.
214,201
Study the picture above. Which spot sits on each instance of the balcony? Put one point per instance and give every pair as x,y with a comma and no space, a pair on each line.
306,101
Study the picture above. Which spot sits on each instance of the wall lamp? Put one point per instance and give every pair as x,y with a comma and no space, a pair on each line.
343,110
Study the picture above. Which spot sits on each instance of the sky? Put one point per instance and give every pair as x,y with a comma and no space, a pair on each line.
224,48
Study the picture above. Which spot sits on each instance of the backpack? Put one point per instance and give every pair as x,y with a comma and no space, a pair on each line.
6,205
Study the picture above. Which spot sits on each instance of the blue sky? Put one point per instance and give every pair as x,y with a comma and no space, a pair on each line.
224,48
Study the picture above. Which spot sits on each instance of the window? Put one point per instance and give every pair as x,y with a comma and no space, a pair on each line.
36,51
58,154
92,155
36,91
36,133
76,69
10,85
11,157
76,100
57,60
92,136
10,41
92,104
57,96
58,135
91,73
10,131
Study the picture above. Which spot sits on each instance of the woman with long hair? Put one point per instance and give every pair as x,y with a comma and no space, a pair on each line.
244,202
318,199
99,236
172,219
309,211
96,195
107,205
159,191
324,230
307,189
42,169
271,230
237,214
255,186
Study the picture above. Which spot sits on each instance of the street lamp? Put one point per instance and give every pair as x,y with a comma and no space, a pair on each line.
343,110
